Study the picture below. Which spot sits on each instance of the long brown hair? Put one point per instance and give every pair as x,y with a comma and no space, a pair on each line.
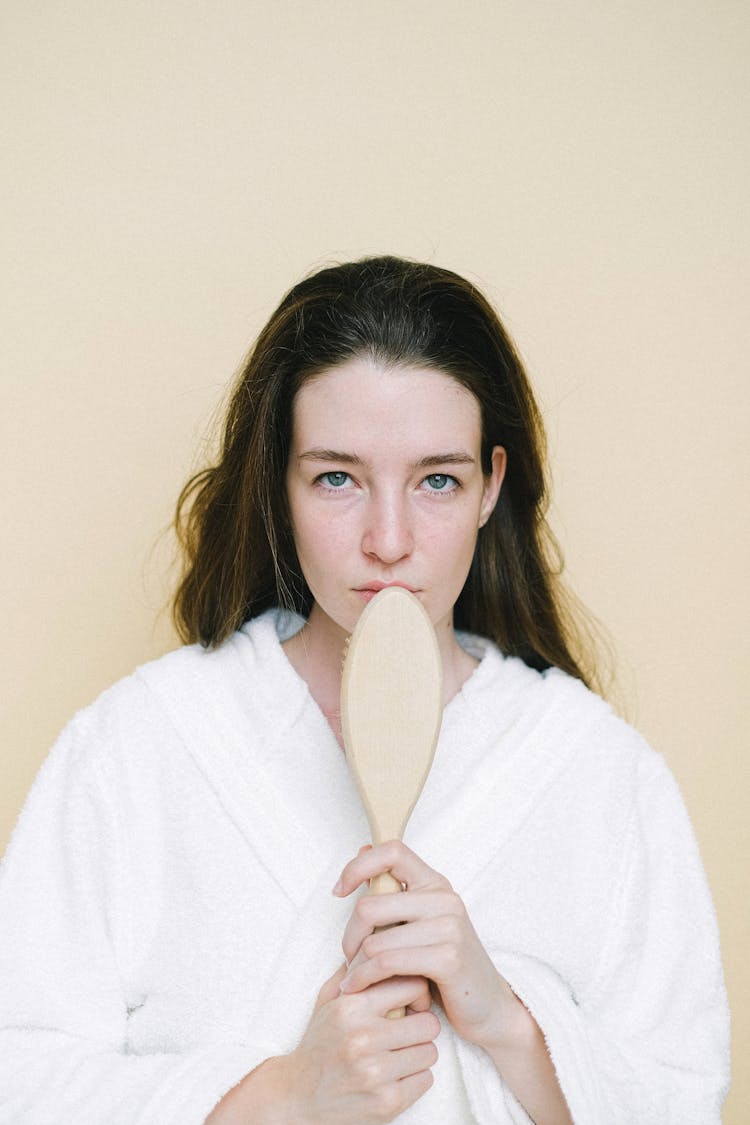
232,523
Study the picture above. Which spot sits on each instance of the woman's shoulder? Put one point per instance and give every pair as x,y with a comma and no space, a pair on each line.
254,646
552,706
189,684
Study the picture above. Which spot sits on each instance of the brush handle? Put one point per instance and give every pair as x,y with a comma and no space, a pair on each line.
385,884
391,709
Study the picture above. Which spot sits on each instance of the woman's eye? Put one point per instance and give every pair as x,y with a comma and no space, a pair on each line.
440,482
334,480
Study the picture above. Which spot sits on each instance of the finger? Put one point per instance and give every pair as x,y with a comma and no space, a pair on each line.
372,911
394,1035
425,931
397,992
436,962
413,1087
395,1097
394,856
409,1060
422,1003
332,987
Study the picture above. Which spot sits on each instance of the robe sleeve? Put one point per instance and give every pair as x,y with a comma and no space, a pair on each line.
648,1042
64,917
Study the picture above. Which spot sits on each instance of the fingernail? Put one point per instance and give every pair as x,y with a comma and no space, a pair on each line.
338,888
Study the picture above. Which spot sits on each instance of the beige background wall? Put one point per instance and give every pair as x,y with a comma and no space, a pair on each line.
169,168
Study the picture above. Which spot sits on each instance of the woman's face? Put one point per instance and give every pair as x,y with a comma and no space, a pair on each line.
385,487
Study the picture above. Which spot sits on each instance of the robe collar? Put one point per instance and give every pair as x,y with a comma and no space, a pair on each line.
263,744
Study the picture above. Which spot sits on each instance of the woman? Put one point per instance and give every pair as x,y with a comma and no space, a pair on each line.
173,952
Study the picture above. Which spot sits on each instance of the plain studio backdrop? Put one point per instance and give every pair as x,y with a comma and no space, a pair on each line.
171,168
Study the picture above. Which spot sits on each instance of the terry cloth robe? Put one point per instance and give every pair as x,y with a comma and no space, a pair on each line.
167,919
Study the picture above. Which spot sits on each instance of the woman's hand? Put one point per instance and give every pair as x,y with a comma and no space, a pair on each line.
436,941
353,1066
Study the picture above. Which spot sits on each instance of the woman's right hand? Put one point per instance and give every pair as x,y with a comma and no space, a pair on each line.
353,1066
356,1067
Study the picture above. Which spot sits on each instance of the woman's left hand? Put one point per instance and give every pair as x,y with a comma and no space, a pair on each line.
435,940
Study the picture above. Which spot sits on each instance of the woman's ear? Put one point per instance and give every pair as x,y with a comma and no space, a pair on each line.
492,484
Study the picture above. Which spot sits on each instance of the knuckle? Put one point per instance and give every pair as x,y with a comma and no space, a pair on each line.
388,1102
356,1046
343,1020
386,963
370,945
454,903
453,929
363,909
371,1074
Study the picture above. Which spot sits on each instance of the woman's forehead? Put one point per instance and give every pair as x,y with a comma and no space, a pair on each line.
363,404
362,381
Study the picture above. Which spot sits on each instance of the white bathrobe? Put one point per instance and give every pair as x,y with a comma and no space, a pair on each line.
166,915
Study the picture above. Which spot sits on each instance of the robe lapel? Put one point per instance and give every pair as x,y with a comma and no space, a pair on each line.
504,740
265,748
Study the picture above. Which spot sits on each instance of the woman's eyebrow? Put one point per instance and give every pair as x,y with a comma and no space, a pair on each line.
454,457
330,455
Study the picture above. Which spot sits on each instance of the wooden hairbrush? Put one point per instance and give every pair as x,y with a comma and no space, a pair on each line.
391,709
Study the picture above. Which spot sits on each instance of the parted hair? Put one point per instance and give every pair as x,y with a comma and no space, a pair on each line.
232,521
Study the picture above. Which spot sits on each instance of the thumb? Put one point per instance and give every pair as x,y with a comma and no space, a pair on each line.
331,989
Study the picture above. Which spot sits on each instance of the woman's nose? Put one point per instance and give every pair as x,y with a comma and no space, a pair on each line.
387,534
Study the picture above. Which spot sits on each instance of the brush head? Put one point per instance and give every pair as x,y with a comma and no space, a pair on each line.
391,707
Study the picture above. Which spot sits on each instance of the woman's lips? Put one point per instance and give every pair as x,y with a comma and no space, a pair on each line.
372,588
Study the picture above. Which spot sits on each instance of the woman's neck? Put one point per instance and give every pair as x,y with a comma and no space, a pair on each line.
317,655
